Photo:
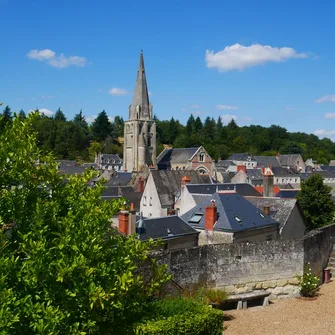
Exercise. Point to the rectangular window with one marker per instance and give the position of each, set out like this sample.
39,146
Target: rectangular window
144,200
150,201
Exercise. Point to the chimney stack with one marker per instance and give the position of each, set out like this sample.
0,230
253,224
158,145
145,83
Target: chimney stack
241,168
124,222
268,182
266,210
210,216
185,180
140,187
132,219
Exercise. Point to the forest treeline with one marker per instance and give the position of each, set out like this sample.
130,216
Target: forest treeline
77,139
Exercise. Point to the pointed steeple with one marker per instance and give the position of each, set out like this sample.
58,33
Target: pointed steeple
140,107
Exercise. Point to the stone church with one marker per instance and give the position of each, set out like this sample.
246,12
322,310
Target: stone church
140,130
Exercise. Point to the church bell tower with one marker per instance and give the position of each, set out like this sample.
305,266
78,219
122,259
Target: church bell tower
140,129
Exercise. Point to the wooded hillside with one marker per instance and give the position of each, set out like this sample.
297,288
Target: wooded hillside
76,139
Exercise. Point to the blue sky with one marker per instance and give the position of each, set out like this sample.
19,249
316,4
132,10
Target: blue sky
261,62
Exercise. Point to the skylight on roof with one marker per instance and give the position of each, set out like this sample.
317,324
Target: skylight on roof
237,219
262,215
195,218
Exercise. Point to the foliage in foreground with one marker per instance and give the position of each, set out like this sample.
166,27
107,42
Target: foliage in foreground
181,316
63,270
308,282
316,203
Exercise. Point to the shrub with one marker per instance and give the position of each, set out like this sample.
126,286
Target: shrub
181,317
308,283
216,296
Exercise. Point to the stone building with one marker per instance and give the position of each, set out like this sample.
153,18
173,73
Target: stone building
140,130
196,159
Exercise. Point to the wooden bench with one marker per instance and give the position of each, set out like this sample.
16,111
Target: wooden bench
243,298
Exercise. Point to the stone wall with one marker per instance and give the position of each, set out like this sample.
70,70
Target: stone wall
242,267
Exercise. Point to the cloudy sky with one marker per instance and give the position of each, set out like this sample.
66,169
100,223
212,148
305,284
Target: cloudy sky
259,62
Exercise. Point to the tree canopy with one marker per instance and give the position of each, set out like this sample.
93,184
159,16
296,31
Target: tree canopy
70,139
63,268
316,203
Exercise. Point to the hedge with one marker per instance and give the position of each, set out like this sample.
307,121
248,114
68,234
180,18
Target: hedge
186,318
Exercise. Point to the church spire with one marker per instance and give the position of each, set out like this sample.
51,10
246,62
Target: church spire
140,107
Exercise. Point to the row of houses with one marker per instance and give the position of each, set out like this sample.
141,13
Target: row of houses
184,202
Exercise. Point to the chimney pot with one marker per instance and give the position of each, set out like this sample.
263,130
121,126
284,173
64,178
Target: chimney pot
132,207
266,210
185,180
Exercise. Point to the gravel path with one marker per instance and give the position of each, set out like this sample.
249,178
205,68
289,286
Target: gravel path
287,316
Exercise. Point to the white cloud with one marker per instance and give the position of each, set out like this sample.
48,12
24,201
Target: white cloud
195,106
330,116
184,109
325,133
58,61
330,98
239,57
226,107
45,111
117,91
228,117
90,119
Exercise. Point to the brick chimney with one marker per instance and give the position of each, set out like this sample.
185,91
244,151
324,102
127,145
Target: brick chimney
241,168
210,216
124,222
266,210
140,186
185,180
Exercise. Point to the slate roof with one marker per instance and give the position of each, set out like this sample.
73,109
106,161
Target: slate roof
165,228
241,157
168,183
235,214
254,174
304,176
290,160
127,192
280,208
287,194
174,156
325,174
224,163
69,167
329,168
267,161
120,178
242,189
284,172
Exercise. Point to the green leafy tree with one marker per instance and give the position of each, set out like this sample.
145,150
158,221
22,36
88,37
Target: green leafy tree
316,202
101,127
63,268
59,115
22,115
5,118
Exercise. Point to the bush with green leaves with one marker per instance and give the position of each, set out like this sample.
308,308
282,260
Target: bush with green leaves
63,269
308,282
180,317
